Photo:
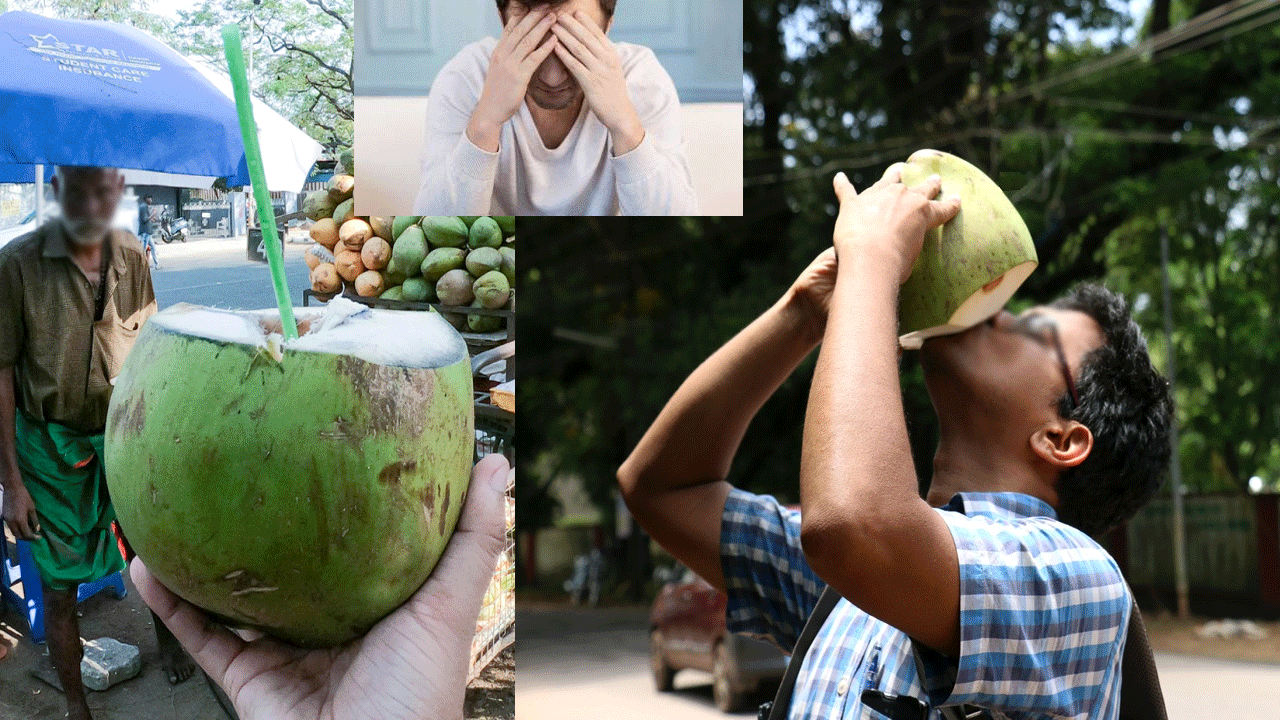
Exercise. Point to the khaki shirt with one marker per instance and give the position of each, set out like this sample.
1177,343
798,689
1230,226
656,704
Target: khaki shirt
64,361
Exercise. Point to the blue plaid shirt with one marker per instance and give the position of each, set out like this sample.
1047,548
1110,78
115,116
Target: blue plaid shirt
1043,615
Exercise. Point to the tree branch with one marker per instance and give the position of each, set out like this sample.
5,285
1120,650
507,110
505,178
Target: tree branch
342,112
331,13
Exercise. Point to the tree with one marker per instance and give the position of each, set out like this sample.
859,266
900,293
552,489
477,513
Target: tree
1100,146
302,52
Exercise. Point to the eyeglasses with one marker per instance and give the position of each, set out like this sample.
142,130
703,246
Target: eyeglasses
1042,329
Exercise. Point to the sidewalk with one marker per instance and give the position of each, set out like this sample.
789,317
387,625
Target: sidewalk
146,697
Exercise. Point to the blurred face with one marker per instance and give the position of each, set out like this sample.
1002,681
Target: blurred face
1003,378
88,198
552,86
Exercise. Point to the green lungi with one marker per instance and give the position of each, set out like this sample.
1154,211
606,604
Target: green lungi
62,469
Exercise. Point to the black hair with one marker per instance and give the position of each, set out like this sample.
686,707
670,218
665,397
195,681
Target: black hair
1127,406
606,5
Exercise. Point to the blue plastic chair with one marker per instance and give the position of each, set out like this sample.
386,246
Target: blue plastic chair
31,602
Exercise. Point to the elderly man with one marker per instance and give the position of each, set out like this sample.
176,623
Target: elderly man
73,295
554,118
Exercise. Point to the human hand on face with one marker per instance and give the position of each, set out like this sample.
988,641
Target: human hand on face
593,60
889,219
515,58
413,664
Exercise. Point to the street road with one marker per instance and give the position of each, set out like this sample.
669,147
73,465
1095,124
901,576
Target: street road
583,665
590,664
218,273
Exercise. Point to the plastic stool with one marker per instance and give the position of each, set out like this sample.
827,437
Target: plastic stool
32,605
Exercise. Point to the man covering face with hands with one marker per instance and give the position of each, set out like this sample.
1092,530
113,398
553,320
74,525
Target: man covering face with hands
554,118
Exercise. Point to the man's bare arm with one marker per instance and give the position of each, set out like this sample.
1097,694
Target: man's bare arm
19,511
866,531
674,480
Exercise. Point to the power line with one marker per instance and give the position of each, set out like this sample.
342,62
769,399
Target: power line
1197,26
1104,134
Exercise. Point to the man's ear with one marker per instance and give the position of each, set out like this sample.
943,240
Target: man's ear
1062,443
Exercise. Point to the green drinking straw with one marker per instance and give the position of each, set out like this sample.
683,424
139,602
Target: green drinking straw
253,154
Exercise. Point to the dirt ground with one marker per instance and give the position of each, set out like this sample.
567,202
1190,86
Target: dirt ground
1168,634
149,696
146,697
492,696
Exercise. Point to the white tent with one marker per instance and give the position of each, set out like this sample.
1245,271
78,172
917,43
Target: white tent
287,152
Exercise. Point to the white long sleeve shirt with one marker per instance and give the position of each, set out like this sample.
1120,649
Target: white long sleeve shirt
579,177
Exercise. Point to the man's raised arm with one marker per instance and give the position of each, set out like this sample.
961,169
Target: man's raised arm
674,480
866,531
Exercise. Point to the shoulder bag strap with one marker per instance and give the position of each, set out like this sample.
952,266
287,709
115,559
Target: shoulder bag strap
782,700
1140,694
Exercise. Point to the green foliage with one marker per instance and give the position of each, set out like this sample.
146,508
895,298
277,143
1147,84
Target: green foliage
1096,159
302,57
616,313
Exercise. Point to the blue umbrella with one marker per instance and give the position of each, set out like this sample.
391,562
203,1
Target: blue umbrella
83,92
22,173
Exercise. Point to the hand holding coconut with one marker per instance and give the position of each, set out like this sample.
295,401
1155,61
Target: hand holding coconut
889,220
417,657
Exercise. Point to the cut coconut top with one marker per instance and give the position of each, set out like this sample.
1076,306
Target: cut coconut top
398,338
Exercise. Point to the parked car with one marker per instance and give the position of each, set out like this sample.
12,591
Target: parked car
22,227
687,630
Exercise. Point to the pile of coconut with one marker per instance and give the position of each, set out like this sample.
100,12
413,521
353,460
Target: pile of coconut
456,261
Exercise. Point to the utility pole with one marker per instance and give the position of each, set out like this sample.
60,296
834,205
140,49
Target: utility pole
1175,462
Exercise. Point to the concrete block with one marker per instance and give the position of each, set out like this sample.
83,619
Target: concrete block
109,662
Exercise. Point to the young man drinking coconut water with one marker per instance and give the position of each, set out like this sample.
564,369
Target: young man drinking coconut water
989,596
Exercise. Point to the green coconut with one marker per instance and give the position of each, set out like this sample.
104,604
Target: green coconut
468,220
410,250
509,263
482,260
507,223
482,323
491,290
485,233
417,289
345,211
304,489
442,260
969,267
400,222
394,293
445,231
318,205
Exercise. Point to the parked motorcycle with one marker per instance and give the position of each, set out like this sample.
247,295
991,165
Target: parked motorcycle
588,576
171,229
